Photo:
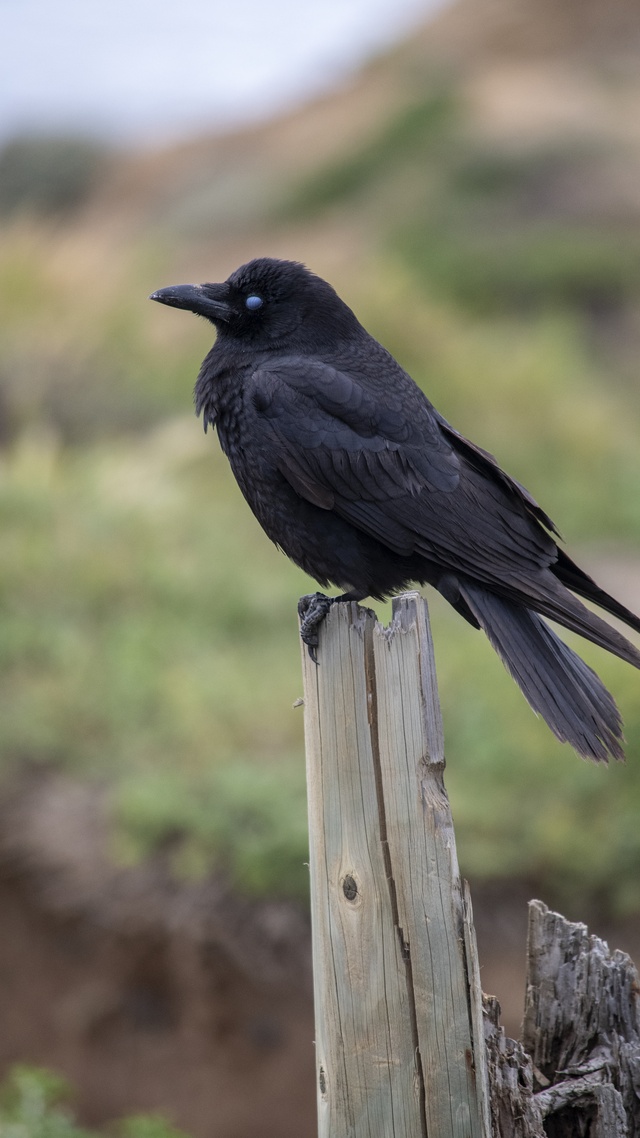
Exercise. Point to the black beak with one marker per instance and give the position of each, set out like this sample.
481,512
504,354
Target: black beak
210,300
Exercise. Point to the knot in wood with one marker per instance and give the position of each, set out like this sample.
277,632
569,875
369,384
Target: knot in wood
350,887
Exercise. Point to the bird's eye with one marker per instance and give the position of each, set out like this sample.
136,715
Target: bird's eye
253,303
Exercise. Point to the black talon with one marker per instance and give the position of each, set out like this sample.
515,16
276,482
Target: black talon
312,610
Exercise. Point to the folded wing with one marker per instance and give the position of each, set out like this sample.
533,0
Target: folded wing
398,473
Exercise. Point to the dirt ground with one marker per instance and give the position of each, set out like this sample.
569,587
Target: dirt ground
151,1023
152,995
149,995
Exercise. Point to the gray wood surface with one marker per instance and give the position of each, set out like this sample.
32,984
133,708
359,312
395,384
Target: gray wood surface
399,1046
406,1045
582,1029
514,1108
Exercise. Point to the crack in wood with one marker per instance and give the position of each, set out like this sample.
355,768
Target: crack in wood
372,705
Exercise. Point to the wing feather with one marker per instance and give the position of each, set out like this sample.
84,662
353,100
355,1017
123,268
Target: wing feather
405,478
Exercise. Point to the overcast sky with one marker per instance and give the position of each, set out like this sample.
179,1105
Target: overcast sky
156,69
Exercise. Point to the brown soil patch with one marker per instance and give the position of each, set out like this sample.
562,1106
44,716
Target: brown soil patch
149,995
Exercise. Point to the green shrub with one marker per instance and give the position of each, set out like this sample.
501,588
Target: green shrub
502,270
34,1104
48,175
410,136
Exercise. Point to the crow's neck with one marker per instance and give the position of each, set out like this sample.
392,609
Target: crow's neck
219,384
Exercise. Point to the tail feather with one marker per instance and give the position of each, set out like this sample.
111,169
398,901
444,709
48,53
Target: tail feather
558,685
552,599
580,582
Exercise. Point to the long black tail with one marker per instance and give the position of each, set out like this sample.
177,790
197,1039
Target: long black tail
580,582
557,683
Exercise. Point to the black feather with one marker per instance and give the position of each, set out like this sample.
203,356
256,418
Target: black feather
560,687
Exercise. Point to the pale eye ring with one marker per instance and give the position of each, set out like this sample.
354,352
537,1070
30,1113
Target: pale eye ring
253,303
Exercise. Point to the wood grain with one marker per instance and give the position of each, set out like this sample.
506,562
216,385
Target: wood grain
396,1053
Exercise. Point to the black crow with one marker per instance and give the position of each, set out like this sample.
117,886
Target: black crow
354,474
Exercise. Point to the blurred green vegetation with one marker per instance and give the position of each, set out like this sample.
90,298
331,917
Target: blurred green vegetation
34,1104
411,136
48,175
148,633
552,266
493,230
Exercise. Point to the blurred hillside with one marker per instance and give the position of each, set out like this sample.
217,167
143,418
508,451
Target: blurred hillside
475,197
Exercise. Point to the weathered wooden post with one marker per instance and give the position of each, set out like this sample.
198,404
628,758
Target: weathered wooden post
399,1038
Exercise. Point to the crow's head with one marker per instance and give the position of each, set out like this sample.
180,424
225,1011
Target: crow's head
268,303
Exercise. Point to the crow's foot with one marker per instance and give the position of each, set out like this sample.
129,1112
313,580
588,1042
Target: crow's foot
312,609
